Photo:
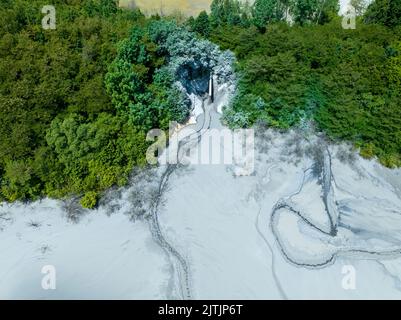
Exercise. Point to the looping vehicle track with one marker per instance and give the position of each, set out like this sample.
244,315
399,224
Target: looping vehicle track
178,261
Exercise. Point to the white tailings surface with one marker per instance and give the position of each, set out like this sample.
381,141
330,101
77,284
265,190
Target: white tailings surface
285,232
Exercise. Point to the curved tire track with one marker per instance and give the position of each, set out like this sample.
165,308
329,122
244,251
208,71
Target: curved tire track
332,212
182,266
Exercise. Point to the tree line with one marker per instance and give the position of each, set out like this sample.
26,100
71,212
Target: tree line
76,102
299,68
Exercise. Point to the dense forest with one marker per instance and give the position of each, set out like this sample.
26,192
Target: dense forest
300,67
76,102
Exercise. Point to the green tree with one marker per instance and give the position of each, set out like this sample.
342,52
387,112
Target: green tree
305,11
225,12
267,11
202,24
321,74
385,12
360,6
89,200
53,94
394,65
313,11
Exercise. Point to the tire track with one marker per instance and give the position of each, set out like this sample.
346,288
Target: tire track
332,212
176,258
274,274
